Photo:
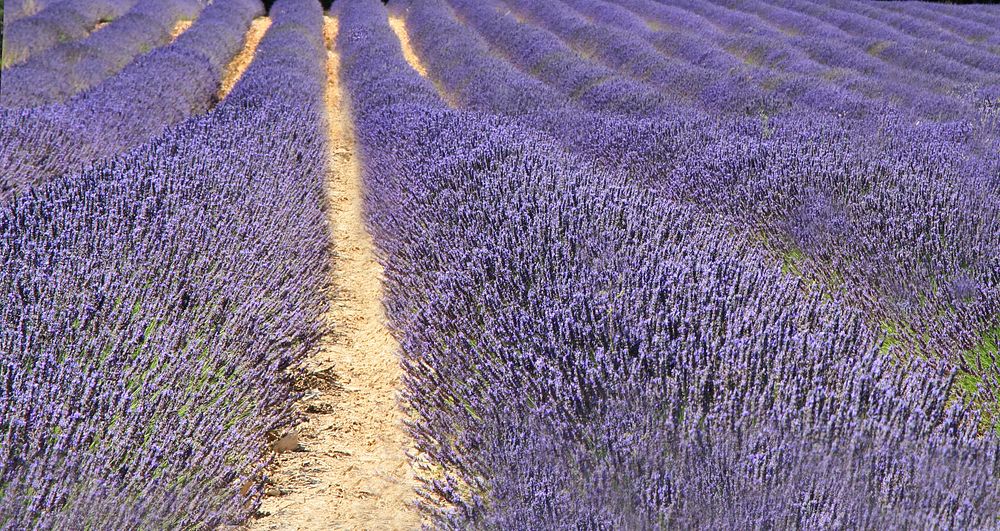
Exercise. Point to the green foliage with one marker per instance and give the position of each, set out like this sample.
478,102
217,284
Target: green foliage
980,361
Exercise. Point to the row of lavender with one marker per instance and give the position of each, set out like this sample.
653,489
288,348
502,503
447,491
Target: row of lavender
585,347
907,212
903,217
842,74
842,46
59,21
125,110
71,67
156,305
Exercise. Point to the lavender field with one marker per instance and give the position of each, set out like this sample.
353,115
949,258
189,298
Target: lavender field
499,264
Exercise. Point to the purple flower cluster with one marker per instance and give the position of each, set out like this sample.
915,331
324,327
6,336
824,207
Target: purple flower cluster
478,79
703,319
710,265
71,67
59,21
126,109
466,68
726,85
589,85
890,209
153,305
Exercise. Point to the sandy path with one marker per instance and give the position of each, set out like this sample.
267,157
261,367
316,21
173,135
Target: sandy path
239,64
354,472
180,27
399,27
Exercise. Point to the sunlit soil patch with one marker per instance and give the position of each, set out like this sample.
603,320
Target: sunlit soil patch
239,64
180,27
399,27
352,470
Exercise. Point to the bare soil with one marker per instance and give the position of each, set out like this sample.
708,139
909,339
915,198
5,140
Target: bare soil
180,27
399,27
239,64
348,468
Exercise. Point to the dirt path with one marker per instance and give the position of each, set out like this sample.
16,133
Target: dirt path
354,473
180,27
239,64
399,27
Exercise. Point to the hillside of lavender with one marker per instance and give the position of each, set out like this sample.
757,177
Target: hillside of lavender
651,264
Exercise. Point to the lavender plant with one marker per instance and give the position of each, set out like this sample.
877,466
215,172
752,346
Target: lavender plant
59,21
589,347
546,57
813,50
800,180
18,9
737,92
58,73
125,110
651,265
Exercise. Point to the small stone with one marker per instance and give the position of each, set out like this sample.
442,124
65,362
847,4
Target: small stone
319,408
287,443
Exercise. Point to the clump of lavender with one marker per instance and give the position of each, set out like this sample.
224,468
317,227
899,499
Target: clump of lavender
125,110
57,21
71,67
155,308
889,203
699,265
588,346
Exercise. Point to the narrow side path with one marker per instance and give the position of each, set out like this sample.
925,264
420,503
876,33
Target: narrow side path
352,471
239,64
180,27
398,26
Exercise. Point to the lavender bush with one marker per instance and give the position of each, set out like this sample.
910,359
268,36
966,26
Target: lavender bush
600,345
18,9
545,56
709,265
125,110
155,303
59,21
71,67
819,187
793,64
